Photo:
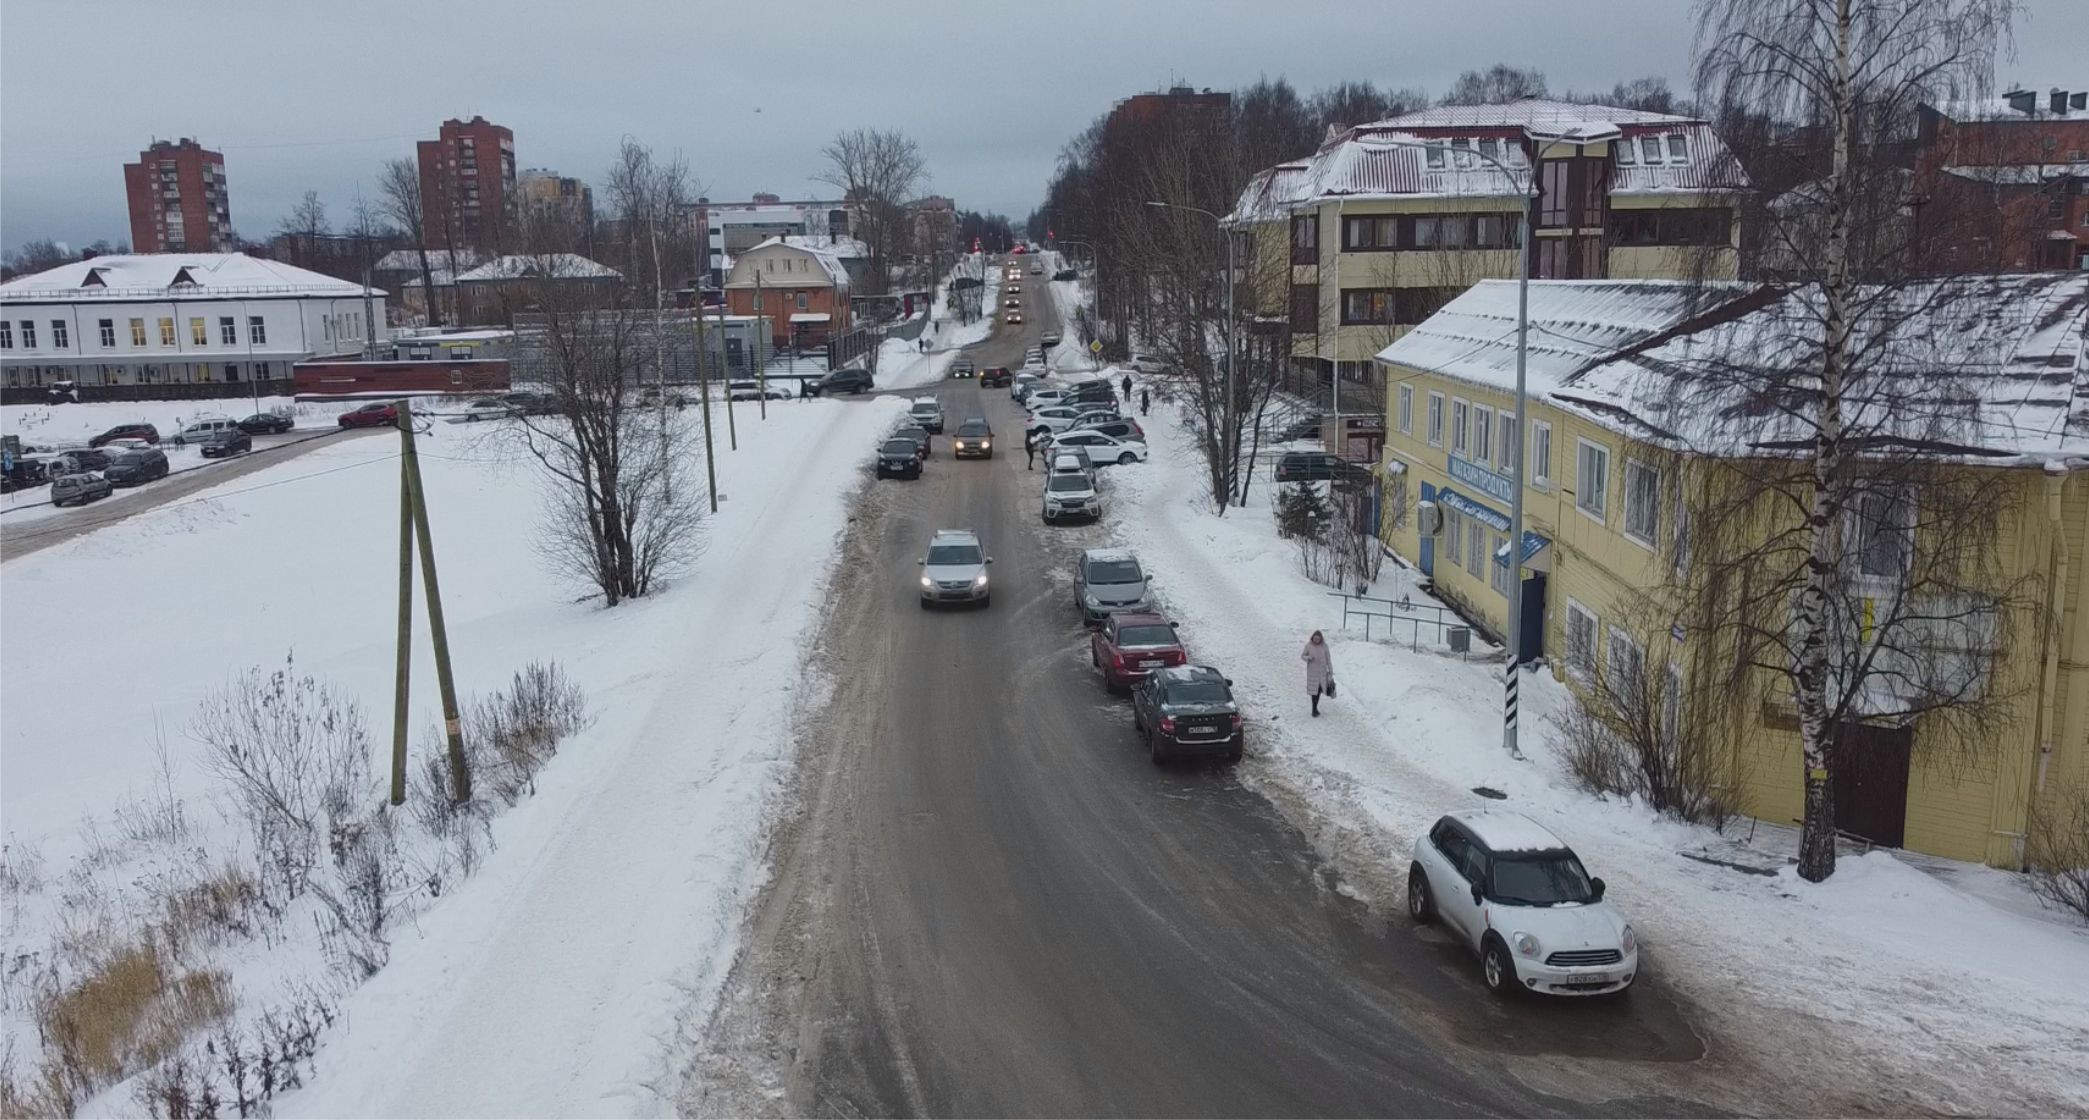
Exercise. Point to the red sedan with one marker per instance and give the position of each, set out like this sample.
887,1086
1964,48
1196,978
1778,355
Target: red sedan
372,415
1128,647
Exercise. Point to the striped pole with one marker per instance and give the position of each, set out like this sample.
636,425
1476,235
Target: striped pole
1508,715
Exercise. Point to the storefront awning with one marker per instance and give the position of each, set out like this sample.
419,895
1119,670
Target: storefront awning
1486,515
1532,543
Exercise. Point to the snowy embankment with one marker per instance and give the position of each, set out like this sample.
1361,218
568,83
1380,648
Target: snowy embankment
904,365
1887,984
552,981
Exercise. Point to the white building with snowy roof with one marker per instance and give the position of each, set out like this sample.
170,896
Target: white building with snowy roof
1648,399
1388,221
185,324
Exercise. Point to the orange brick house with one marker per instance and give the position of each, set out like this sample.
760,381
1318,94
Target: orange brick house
804,292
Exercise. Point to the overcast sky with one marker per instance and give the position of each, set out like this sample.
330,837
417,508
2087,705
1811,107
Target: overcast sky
305,96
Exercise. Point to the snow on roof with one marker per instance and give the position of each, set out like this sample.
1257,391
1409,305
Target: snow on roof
1573,324
810,317
1997,108
828,261
151,276
846,248
439,260
1503,831
552,266
2020,174
1538,112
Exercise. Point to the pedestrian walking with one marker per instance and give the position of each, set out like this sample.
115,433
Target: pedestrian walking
1320,669
1127,388
1030,450
1145,399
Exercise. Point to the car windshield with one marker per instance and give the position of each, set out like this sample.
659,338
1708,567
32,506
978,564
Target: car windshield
1067,484
1541,879
1114,571
1146,636
926,409
974,428
128,459
915,434
900,447
1198,692
952,555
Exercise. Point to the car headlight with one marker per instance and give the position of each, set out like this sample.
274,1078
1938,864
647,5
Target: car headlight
981,581
1525,944
927,582
1630,942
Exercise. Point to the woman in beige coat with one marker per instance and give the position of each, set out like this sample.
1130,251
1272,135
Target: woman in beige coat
1320,669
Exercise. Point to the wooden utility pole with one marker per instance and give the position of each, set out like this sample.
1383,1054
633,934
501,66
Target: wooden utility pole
703,380
452,722
401,685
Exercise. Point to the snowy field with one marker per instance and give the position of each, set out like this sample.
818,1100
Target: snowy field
543,985
1903,989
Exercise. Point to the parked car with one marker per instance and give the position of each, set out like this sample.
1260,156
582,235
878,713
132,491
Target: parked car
229,442
1050,340
79,489
268,423
927,412
1021,384
994,377
1510,891
1094,392
1034,356
1101,448
974,440
531,403
1036,269
954,570
1041,395
1052,418
1319,466
1066,274
747,391
1130,645
649,397
135,468
963,367
899,458
849,380
496,408
1108,580
1297,428
1188,710
78,460
1072,460
1115,426
916,433
203,431
1071,495
372,415
1012,317
146,432
1145,363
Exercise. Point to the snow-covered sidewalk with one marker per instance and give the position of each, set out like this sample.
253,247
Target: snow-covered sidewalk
1889,985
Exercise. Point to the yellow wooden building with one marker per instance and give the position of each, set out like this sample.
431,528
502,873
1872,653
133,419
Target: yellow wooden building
1619,451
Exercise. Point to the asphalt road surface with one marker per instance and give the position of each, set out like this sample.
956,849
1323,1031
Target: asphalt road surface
989,902
19,538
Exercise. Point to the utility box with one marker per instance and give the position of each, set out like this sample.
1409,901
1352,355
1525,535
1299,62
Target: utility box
1459,637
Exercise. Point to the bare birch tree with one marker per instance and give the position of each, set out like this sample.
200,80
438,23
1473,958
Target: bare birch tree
877,170
1850,488
304,226
400,188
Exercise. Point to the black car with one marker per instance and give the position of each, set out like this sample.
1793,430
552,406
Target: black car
916,434
1319,466
995,377
1092,392
231,441
840,381
263,423
963,367
146,432
135,468
530,403
974,440
1066,274
1188,710
899,457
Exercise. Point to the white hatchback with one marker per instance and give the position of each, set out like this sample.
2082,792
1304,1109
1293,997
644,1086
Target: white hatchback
1513,893
1102,448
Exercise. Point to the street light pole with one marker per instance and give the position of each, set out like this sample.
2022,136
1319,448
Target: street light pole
1229,439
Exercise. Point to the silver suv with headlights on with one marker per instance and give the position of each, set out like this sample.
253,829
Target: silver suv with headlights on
954,571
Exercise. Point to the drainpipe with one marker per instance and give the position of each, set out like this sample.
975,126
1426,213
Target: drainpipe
2056,475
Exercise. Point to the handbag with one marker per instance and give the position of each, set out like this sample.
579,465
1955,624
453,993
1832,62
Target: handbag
1330,689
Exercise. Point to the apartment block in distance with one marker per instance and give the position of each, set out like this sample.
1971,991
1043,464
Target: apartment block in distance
2020,163
178,199
548,194
468,184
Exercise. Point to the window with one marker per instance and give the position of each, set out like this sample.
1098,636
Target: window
1581,641
1442,231
1436,419
1591,476
198,335
1497,231
1305,239
803,301
28,334
1476,550
228,330
1511,443
257,334
1406,410
1454,537
1626,667
1370,232
1498,573
1706,225
1627,153
1650,150
1367,306
166,330
1642,502
1678,150
1436,154
108,333
1482,433
137,332
1881,531
1671,703
59,339
1460,438
1305,308
7,335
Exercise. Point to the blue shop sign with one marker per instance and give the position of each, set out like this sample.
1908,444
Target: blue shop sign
1500,487
1486,515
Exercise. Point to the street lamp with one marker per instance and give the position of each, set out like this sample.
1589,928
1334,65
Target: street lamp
1228,439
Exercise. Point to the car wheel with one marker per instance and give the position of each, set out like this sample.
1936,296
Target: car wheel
1153,748
1497,968
925,604
1239,751
1419,905
986,600
1092,658
1127,459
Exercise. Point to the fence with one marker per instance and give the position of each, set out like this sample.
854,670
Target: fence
1388,616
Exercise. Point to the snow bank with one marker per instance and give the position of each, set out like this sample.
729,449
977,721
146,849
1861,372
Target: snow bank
1919,979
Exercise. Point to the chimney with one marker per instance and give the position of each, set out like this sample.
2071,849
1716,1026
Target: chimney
2059,102
2023,101
2079,101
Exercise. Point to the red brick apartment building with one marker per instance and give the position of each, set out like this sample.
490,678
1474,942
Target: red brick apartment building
178,199
468,185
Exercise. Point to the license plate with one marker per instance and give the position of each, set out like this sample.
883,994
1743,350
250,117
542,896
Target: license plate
1592,979
1149,664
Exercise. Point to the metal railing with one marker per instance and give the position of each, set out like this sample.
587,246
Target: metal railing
1390,614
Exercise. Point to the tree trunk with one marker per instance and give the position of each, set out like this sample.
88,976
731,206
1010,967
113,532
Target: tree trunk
1817,835
428,284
